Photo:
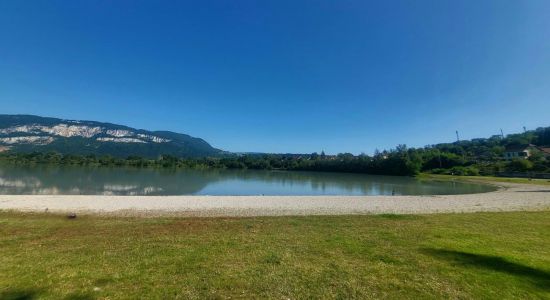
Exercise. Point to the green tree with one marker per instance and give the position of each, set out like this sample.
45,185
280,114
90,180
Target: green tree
520,165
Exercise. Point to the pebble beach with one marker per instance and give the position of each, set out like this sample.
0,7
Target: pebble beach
509,197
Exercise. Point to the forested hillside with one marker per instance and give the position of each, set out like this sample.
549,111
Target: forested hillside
472,157
28,133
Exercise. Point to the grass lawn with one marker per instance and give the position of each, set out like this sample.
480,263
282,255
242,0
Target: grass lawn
488,179
480,255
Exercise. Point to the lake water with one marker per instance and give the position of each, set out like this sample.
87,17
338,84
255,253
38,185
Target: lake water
132,181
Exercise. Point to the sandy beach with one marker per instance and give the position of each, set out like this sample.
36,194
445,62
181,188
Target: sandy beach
510,197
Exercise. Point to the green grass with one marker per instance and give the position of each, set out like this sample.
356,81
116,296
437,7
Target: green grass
481,256
488,179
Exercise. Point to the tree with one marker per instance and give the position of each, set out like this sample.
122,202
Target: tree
520,165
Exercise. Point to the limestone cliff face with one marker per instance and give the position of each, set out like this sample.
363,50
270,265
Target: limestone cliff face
67,130
119,132
24,131
34,134
39,140
120,140
61,129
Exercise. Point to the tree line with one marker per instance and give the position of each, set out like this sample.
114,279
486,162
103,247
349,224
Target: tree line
470,157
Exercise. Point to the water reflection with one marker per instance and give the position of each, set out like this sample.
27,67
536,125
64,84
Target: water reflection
130,181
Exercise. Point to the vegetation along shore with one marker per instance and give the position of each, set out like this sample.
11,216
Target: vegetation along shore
469,157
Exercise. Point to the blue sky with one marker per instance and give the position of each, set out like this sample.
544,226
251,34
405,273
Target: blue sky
283,76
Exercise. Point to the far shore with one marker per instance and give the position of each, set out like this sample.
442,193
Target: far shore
510,197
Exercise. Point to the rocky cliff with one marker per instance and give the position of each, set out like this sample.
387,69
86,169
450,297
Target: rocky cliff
25,133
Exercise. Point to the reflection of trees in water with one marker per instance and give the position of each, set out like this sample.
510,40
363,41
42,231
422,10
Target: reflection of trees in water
110,181
133,181
351,183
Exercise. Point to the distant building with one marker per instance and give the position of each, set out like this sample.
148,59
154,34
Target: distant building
545,151
521,152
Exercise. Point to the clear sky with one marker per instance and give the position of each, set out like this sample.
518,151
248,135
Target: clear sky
283,76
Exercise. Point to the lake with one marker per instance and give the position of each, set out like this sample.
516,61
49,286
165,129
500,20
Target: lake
133,181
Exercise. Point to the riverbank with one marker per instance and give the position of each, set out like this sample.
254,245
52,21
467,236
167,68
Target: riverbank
485,179
439,256
509,197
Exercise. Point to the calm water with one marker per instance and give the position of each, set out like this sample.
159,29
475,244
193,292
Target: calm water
130,181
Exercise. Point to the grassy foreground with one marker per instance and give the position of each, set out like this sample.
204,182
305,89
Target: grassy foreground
481,255
486,179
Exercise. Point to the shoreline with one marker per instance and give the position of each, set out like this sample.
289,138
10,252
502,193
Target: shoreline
509,197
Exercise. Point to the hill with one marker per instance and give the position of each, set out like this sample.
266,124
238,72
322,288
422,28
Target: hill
530,151
28,133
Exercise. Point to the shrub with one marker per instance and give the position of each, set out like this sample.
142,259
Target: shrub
520,165
465,171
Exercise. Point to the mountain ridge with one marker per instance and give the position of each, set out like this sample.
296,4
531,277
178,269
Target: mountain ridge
28,133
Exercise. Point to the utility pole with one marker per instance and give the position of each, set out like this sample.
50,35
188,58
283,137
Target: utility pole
458,141
501,133
524,129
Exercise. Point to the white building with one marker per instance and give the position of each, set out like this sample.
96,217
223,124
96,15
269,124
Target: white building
521,152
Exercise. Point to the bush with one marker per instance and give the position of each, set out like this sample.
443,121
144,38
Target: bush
465,171
520,165
441,171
